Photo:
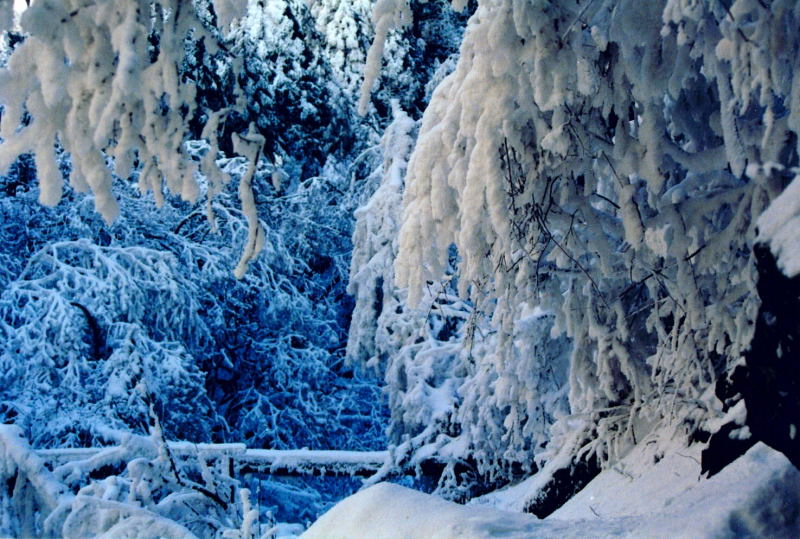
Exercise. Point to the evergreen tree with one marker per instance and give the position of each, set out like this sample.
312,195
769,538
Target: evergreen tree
288,89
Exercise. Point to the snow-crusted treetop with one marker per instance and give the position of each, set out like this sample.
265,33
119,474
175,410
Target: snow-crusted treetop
345,27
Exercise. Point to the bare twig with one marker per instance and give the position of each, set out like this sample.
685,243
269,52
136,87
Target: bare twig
576,19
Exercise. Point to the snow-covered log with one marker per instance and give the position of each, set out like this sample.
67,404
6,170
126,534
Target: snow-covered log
306,461
242,460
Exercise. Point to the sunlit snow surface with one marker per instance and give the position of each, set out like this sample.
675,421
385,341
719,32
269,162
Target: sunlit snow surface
758,495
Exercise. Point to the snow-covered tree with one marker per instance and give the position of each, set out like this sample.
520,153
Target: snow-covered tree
605,162
385,334
446,388
100,78
289,88
83,309
345,26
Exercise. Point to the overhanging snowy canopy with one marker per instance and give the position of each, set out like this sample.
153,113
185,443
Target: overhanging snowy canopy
606,161
100,79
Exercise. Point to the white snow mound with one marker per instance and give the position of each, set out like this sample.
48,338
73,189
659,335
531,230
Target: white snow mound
757,495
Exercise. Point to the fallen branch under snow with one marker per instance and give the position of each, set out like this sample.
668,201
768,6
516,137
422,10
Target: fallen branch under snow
244,460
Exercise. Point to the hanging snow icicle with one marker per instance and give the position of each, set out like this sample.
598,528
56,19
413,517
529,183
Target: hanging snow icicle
249,146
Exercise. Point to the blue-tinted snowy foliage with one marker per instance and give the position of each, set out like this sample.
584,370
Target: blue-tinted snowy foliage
89,311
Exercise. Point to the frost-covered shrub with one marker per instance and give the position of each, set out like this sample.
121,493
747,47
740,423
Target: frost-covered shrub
151,298
79,332
156,491
141,484
297,320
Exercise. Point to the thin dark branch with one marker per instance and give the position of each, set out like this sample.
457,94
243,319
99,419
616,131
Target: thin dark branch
606,199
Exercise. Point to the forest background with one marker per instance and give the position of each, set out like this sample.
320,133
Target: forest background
526,245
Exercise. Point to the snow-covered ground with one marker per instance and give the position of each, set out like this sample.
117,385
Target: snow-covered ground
756,496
